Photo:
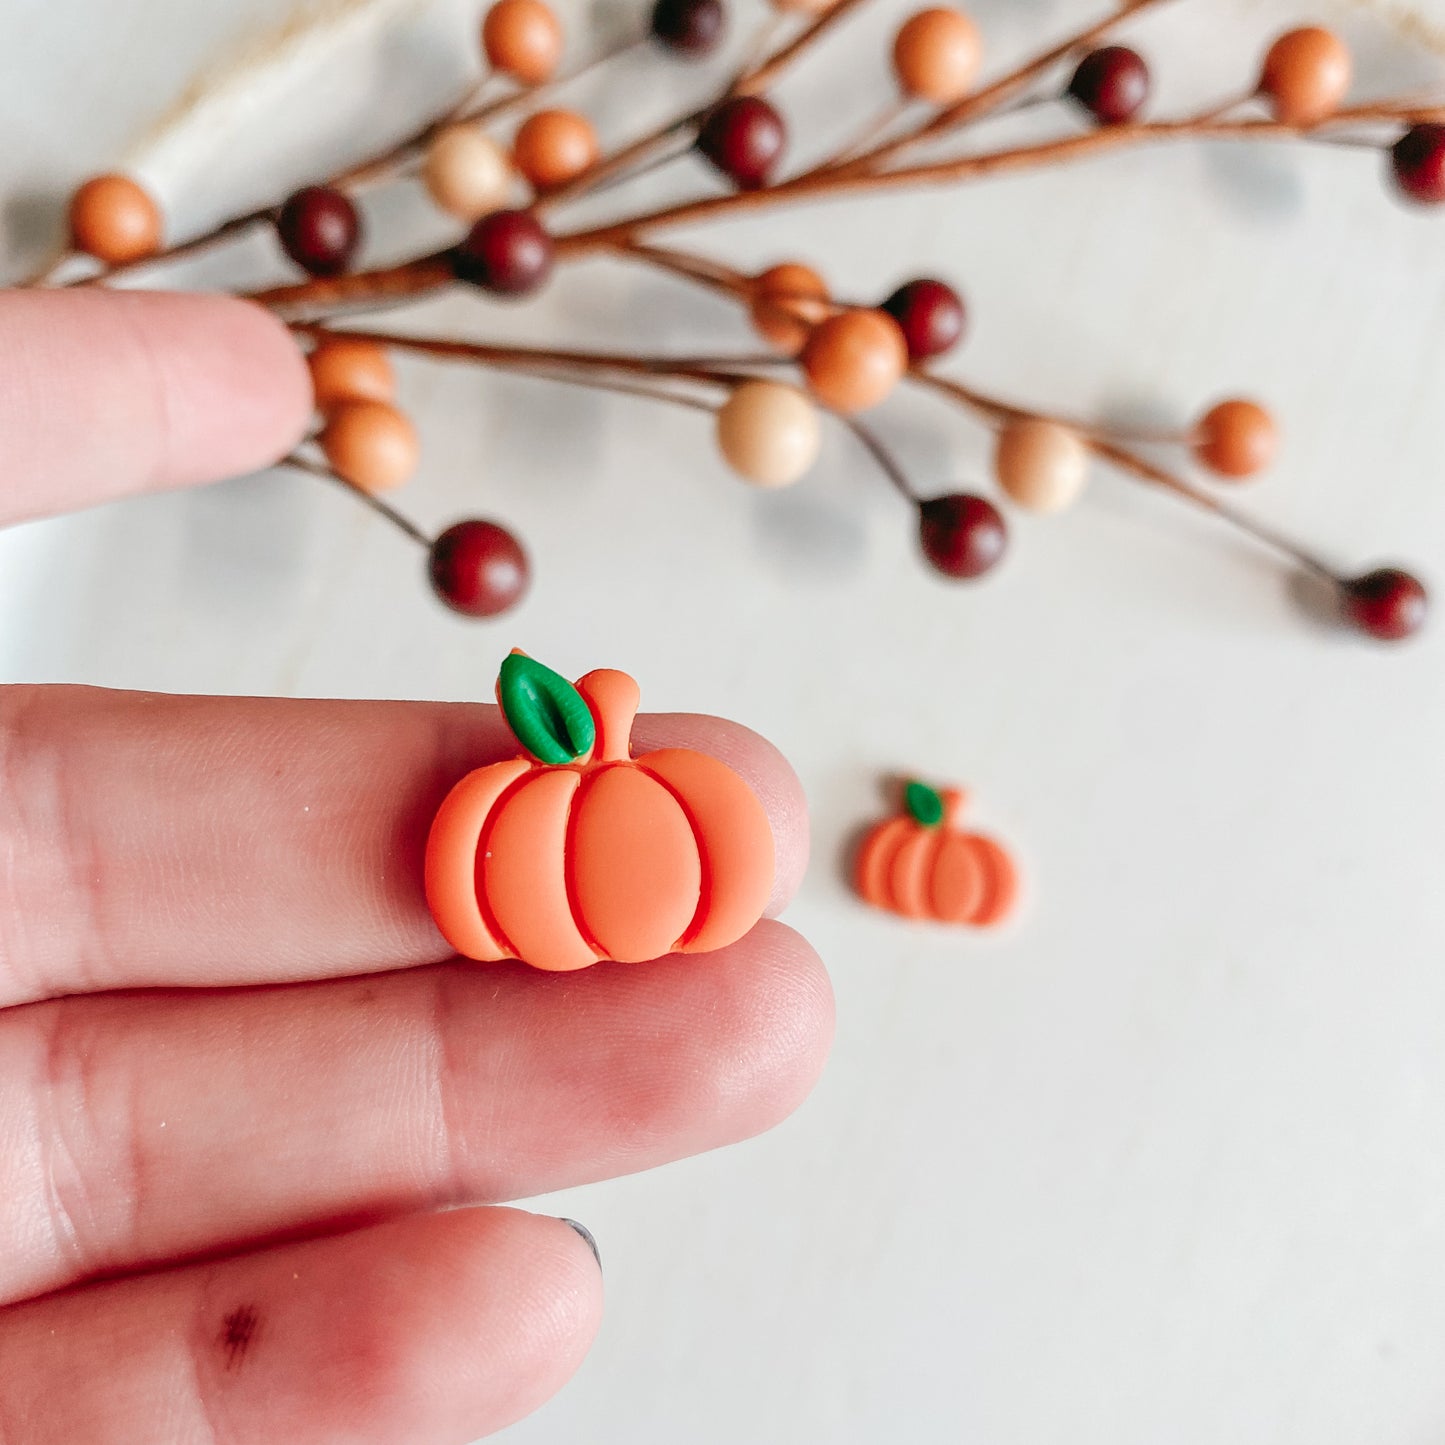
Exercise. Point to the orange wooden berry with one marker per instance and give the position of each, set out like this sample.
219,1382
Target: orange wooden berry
523,39
769,432
577,851
854,359
1236,438
345,368
1306,75
1040,464
936,55
923,865
467,173
553,147
373,445
786,302
114,219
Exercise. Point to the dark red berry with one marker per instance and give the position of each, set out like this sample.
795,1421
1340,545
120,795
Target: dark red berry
508,252
319,229
1418,161
931,316
1111,83
689,27
1387,603
478,569
962,535
744,138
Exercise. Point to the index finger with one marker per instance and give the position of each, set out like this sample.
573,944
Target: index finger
150,840
107,393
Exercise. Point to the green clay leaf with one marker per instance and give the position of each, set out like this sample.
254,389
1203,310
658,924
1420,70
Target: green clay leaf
924,803
547,714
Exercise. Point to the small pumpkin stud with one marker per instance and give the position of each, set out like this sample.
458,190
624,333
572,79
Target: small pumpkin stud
574,851
922,864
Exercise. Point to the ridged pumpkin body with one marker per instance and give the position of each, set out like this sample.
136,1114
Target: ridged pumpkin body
608,857
937,871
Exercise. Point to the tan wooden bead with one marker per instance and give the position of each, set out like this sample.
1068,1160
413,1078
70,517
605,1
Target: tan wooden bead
523,39
1041,465
787,301
114,219
467,173
344,369
553,147
371,444
1236,438
854,359
769,432
804,7
1306,75
937,54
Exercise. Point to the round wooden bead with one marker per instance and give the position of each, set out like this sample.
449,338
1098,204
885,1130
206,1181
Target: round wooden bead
853,360
553,147
787,300
1236,438
345,368
467,173
114,219
769,432
373,445
523,39
936,55
1041,465
1306,75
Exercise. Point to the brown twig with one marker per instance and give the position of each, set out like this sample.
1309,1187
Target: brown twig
1131,463
813,186
982,102
888,464
317,469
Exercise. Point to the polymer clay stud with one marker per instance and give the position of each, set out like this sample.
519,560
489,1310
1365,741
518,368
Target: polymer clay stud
575,851
922,864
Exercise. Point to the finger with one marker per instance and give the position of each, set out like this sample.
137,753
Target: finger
150,840
105,393
439,1328
140,1123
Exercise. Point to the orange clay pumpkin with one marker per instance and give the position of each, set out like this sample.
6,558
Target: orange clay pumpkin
923,865
576,852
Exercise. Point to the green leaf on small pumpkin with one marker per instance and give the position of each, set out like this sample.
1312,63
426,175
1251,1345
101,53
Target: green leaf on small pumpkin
924,804
548,716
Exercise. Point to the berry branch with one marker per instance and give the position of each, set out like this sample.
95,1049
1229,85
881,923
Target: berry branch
828,356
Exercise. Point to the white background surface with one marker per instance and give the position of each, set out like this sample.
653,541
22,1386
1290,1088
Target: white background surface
1166,1161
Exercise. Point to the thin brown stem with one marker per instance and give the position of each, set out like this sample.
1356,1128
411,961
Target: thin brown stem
359,291
195,246
384,509
700,270
888,464
628,159
43,275
754,80
971,167
996,94
694,369
1122,459
874,129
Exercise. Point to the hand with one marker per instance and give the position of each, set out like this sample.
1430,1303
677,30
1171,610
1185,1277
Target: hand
238,1077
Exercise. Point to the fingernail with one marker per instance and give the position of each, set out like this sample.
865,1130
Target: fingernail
587,1239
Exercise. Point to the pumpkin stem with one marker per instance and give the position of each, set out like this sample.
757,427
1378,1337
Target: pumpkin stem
613,698
955,800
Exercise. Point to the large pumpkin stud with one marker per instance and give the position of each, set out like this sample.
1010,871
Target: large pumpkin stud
575,851
923,865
